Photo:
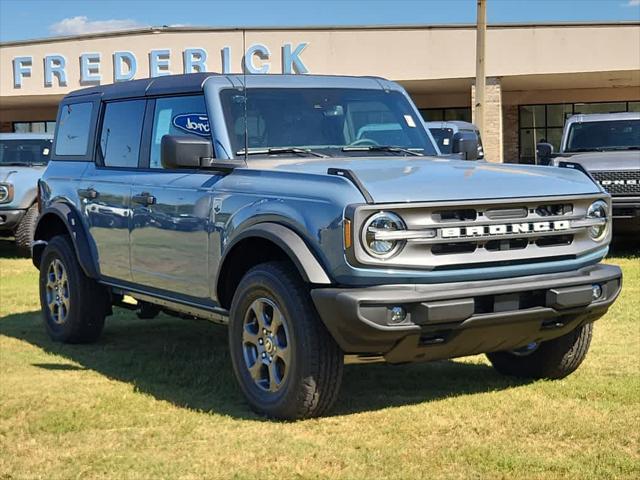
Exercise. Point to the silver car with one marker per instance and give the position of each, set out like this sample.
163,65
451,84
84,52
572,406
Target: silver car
23,158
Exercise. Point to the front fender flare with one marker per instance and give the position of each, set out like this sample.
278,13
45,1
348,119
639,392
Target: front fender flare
292,244
82,243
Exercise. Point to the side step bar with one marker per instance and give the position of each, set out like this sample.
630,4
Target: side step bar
219,316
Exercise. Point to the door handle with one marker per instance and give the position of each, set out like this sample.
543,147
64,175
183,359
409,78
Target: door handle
144,198
89,193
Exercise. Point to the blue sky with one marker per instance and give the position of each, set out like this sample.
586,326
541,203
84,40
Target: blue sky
25,19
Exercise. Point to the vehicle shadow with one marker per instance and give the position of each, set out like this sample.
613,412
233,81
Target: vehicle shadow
186,362
624,246
8,248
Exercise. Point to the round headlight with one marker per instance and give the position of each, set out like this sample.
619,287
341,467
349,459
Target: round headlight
373,234
4,193
598,210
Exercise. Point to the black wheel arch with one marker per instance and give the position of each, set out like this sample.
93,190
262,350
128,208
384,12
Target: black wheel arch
277,242
60,218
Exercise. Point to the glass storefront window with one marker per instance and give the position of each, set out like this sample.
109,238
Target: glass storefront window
554,137
532,116
446,114
613,107
22,127
558,114
529,137
634,106
432,114
463,114
34,127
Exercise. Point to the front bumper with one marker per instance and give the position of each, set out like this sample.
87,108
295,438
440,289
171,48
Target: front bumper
464,318
9,219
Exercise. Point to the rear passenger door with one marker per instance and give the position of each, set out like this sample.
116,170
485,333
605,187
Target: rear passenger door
106,184
171,208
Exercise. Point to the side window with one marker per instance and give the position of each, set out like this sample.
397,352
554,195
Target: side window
73,131
177,116
121,132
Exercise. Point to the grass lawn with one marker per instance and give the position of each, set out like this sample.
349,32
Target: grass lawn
156,399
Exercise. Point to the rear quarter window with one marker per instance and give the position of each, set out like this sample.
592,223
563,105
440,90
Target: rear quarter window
74,125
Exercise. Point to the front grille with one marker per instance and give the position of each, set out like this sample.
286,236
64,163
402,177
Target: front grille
619,182
472,234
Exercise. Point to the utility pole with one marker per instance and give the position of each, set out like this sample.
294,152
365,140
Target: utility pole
481,30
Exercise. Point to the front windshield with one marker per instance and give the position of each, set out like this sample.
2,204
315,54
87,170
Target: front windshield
325,121
604,135
444,139
24,152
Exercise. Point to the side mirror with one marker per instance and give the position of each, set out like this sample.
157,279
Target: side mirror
177,151
467,145
543,153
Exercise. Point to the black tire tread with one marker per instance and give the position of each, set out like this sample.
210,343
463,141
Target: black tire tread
26,229
554,359
88,311
322,380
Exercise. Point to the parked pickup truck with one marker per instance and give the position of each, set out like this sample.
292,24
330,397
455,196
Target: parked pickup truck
23,158
608,147
457,138
267,203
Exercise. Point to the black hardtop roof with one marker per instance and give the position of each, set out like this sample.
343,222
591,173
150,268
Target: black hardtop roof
184,83
193,83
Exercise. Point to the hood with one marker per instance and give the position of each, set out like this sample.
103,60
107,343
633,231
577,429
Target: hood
10,173
594,161
420,179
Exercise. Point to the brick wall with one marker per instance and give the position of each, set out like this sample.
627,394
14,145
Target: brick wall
510,133
492,135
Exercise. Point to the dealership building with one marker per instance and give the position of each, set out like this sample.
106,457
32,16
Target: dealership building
537,74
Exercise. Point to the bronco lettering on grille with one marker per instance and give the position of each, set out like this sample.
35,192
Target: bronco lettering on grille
631,181
504,229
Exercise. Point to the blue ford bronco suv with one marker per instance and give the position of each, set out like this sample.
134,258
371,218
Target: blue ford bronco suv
312,215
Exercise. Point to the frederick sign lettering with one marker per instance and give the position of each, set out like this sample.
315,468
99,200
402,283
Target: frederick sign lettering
256,59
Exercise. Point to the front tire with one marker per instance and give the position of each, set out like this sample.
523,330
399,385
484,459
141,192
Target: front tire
553,359
26,229
286,362
73,305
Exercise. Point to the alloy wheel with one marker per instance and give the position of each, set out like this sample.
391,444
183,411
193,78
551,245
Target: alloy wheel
58,294
265,345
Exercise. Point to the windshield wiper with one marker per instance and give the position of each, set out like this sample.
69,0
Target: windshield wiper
630,147
580,150
15,164
379,148
279,150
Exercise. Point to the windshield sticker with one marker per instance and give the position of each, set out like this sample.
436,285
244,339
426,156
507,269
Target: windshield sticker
196,123
409,120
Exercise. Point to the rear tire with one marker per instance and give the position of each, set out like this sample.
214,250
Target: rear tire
553,359
26,229
286,362
73,305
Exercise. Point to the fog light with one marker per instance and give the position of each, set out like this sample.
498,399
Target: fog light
596,291
398,315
